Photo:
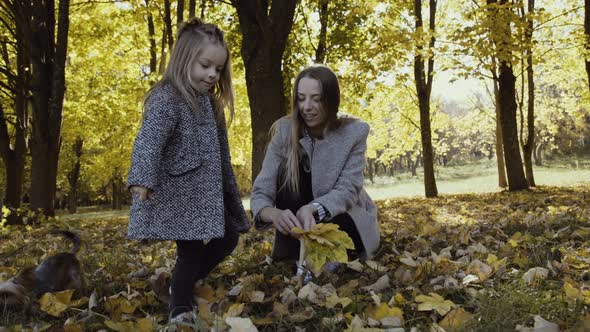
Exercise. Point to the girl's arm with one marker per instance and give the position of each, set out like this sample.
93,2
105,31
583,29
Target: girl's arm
160,118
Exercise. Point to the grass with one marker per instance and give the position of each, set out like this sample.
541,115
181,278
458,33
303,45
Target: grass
476,177
479,177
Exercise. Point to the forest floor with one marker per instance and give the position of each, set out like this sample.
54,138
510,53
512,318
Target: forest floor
471,262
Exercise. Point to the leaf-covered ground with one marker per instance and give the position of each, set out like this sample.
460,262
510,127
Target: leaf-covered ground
492,262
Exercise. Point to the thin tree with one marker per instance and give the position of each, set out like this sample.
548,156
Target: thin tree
423,78
320,52
528,143
507,97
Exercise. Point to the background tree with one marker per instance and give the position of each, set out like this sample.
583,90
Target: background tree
265,27
502,37
14,104
46,40
527,62
423,78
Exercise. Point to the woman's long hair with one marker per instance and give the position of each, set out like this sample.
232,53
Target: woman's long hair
191,39
329,104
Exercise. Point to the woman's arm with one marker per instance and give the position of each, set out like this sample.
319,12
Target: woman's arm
264,189
349,184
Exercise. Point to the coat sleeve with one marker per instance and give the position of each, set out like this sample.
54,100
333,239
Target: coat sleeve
160,119
349,184
264,189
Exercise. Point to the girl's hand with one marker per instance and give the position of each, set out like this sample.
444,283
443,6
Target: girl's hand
306,217
143,192
283,220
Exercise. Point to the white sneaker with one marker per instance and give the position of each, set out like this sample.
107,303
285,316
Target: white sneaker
302,271
188,319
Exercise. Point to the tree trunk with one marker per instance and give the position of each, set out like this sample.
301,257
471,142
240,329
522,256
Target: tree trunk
502,182
168,25
423,89
163,51
371,169
48,56
14,160
117,186
13,154
527,147
538,154
264,36
179,13
507,102
512,159
203,7
320,52
191,8
152,37
74,175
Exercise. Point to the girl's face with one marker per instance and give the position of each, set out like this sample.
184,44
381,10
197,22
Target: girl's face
309,95
207,67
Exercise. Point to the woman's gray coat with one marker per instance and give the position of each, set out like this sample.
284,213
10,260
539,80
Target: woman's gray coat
337,165
183,156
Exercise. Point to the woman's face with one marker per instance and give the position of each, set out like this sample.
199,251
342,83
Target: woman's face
309,95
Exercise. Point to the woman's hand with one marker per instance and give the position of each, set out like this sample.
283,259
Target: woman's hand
143,192
306,217
283,220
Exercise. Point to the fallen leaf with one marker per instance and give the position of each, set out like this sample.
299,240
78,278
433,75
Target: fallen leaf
381,284
56,303
534,274
434,302
455,320
238,324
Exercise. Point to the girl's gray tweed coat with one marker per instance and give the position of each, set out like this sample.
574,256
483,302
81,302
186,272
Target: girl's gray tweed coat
183,156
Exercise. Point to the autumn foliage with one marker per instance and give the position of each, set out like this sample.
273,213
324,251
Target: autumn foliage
497,261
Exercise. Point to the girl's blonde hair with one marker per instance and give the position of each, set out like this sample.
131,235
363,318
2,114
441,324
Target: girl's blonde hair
329,104
192,37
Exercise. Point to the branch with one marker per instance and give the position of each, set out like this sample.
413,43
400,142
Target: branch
558,16
395,109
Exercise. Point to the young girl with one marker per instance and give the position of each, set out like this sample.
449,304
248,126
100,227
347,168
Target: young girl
313,170
183,185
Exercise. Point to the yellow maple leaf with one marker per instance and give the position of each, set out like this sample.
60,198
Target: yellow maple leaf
333,299
56,303
455,320
119,304
324,243
434,302
384,311
235,310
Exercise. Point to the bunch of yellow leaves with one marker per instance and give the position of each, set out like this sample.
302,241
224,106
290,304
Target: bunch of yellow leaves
324,243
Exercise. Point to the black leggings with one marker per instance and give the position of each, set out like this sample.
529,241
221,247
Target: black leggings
287,247
194,261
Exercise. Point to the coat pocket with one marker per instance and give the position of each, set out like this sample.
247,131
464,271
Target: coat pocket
184,162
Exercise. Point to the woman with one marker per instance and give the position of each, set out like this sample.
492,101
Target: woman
313,170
